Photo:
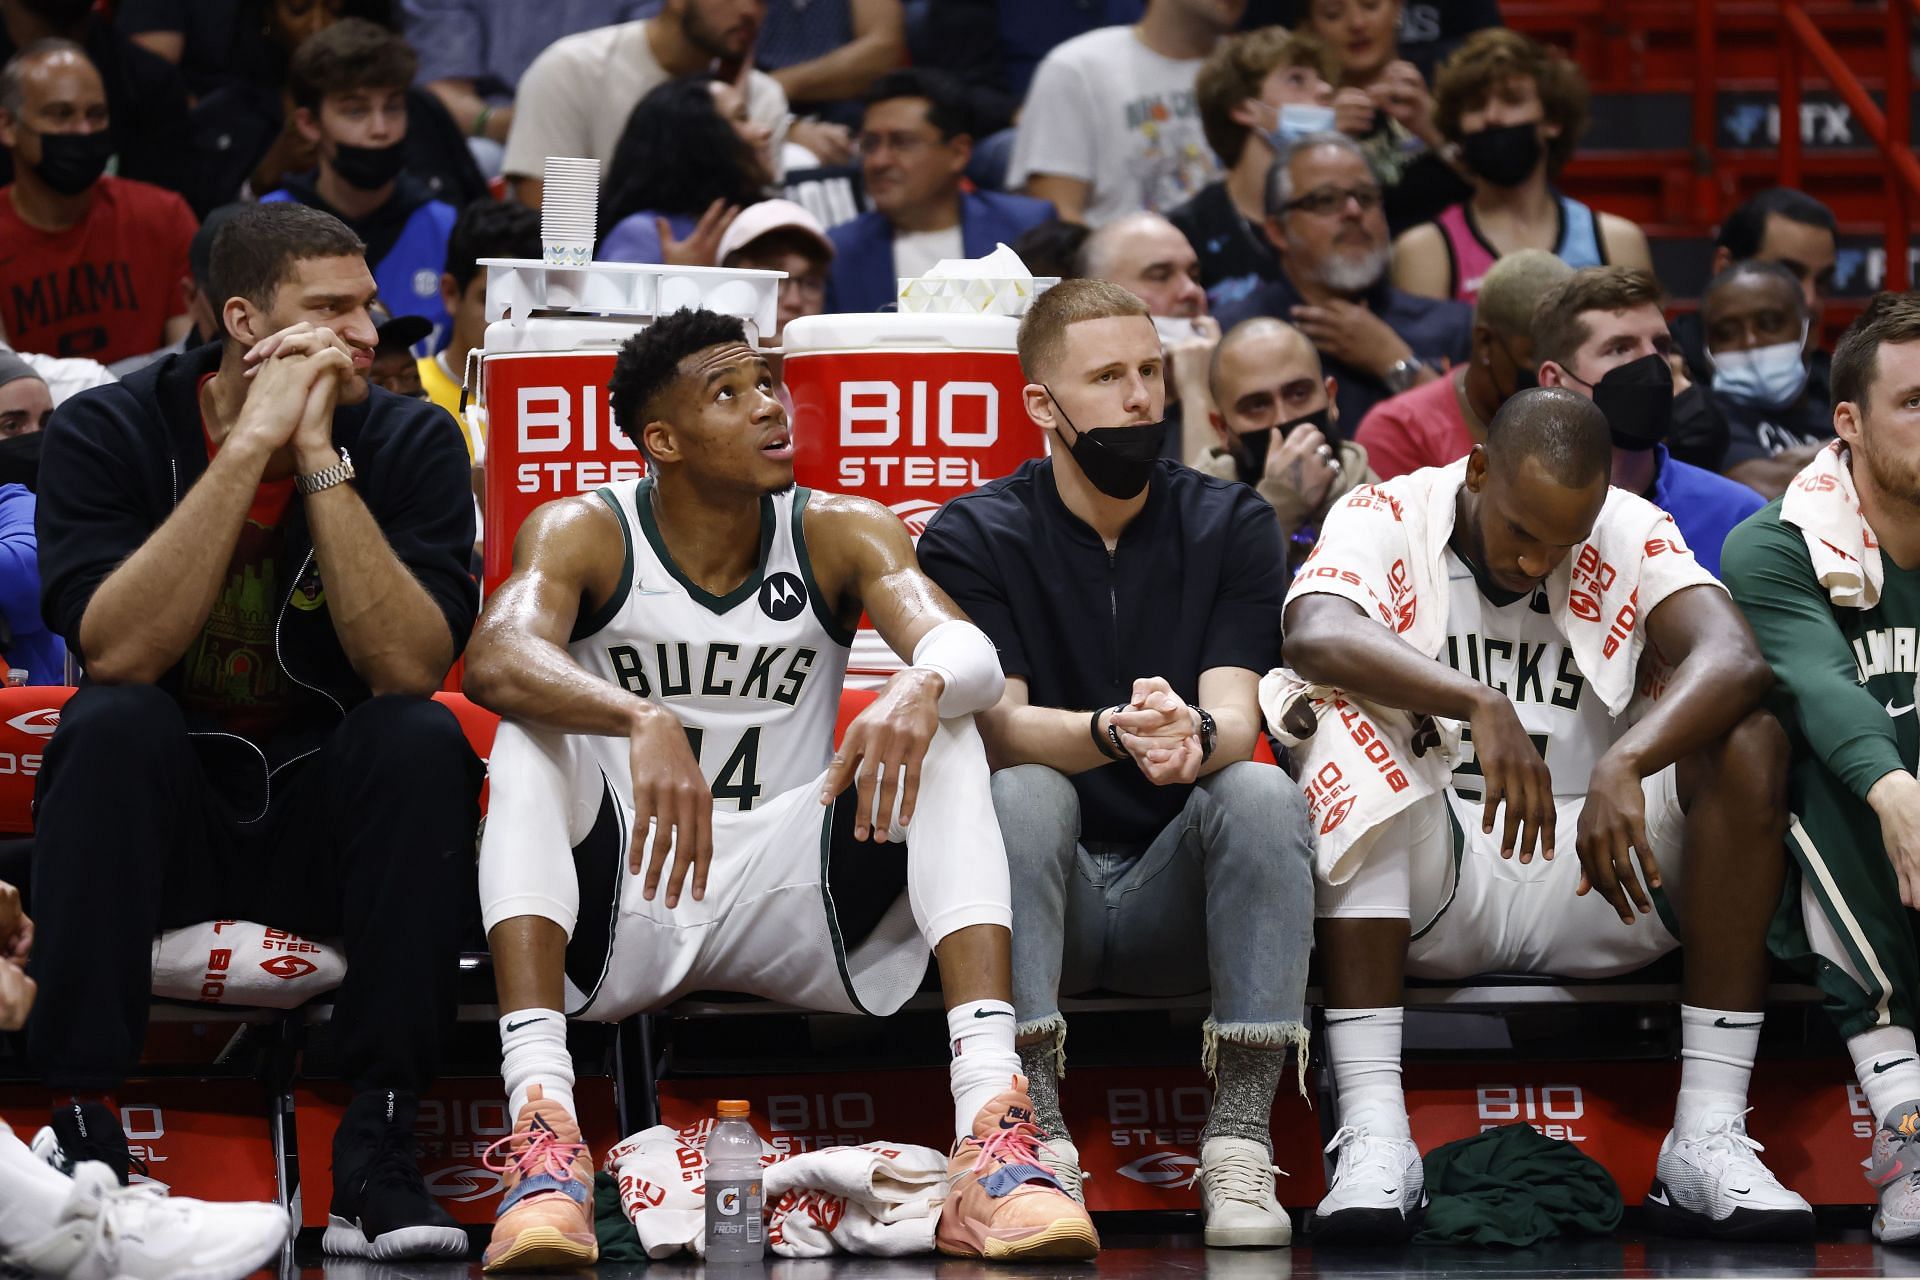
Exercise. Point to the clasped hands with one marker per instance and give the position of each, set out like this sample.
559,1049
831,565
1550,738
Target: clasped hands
1160,732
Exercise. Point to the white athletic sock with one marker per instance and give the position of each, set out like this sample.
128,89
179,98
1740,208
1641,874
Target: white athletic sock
1364,1048
1888,1066
984,1062
1717,1048
533,1050
32,1193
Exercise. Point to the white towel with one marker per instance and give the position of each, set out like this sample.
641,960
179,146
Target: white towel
897,1180
1823,504
662,1174
237,962
881,1199
1383,547
1360,763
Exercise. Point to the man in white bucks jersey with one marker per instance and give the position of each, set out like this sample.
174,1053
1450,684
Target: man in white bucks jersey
1679,813
669,652
1845,655
88,1226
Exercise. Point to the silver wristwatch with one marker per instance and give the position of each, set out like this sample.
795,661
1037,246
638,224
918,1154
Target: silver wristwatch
1402,376
339,473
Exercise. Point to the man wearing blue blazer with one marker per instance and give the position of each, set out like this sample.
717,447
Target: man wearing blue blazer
914,146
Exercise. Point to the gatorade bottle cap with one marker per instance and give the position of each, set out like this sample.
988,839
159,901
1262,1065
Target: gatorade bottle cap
734,1107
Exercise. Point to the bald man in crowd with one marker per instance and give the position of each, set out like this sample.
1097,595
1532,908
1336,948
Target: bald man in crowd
1273,423
1148,256
1439,421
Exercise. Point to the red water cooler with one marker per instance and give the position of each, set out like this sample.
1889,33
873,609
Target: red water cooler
909,410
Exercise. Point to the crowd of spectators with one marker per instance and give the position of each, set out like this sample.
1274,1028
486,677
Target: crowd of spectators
1367,186
1376,183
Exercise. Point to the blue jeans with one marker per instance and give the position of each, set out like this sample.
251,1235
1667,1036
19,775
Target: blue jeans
1233,868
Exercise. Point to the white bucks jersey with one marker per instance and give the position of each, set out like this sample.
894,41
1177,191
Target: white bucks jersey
1516,649
754,675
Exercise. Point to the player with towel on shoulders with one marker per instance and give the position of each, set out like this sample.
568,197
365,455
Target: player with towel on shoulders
669,814
1516,594
1829,576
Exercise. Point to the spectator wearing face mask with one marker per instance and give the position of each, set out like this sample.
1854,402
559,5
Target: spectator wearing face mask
1274,429
1776,225
146,99
350,100
1776,418
25,406
92,265
1601,334
1516,111
1258,93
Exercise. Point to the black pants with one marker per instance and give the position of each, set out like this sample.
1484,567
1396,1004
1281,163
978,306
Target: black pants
369,840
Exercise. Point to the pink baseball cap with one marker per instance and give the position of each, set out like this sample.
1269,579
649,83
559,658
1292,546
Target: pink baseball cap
757,220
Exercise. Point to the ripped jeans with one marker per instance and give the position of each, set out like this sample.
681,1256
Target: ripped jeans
1220,900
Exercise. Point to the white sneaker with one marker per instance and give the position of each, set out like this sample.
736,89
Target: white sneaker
110,1232
1059,1157
1711,1183
1378,1193
1894,1170
1236,1196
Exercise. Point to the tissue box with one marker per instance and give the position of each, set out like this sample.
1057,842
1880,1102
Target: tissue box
979,295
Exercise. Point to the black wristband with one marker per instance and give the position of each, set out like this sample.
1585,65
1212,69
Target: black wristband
1100,741
1208,731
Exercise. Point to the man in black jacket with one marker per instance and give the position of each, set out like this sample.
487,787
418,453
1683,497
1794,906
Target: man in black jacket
1134,603
262,564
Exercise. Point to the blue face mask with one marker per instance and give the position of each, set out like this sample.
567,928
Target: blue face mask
1770,377
1294,121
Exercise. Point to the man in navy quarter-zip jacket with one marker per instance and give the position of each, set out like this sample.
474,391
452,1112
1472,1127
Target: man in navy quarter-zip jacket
262,564
1135,604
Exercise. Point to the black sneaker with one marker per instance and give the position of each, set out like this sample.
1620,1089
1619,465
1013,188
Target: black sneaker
381,1208
83,1131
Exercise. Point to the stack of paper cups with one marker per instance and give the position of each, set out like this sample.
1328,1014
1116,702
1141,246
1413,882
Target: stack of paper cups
569,209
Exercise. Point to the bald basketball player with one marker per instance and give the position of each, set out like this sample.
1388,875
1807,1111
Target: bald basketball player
1570,840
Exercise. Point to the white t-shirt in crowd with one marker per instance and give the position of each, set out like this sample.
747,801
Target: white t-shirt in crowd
577,95
1109,111
915,252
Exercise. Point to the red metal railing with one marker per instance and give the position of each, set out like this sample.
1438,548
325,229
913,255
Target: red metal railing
1891,130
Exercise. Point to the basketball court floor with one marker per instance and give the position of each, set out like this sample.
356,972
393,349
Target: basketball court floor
1841,1252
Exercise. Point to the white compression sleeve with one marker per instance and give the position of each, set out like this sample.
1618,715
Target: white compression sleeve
963,656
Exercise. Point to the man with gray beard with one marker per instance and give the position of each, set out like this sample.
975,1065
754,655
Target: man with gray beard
1325,220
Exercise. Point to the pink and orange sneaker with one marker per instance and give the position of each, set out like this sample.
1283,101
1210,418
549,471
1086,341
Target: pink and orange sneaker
1001,1201
546,1215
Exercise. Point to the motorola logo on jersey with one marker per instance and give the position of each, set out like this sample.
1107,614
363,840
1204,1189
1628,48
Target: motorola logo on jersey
782,597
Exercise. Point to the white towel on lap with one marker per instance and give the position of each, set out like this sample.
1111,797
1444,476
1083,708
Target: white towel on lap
1383,547
1825,507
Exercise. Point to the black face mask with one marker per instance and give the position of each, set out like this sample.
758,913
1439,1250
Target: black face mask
1251,447
1116,460
369,168
20,459
72,162
1504,155
1637,398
